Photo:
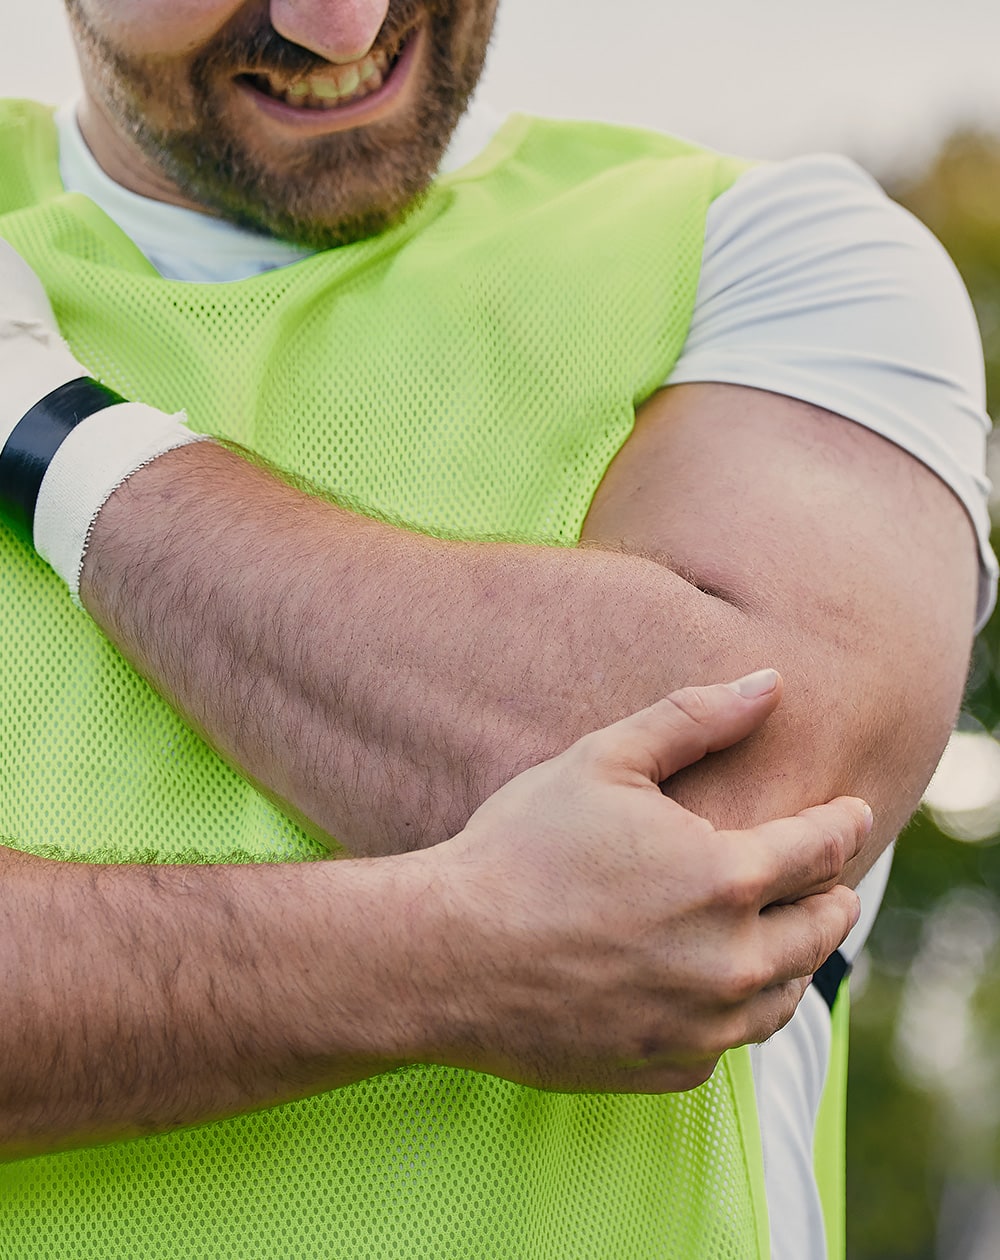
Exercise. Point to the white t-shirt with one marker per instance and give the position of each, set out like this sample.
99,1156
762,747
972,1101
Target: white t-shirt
813,285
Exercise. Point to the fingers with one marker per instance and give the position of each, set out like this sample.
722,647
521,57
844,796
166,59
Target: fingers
772,1010
802,936
756,1021
758,986
758,991
688,725
761,991
808,852
797,939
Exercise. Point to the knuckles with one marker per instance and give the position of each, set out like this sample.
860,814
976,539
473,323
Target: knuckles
687,1058
830,854
693,704
784,1004
740,980
740,889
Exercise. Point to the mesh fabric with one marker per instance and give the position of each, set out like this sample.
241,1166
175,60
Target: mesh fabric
471,372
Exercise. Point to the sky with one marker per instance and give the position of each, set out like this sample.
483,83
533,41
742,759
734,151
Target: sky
881,79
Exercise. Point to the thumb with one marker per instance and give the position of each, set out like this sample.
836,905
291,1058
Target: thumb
688,724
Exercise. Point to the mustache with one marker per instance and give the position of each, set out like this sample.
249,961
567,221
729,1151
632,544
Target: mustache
262,50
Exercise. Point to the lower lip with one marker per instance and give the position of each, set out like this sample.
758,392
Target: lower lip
367,109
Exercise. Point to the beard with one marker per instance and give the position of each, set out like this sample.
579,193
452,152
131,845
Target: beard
321,191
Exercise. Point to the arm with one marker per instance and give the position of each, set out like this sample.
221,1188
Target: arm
518,599
735,528
385,683
140,999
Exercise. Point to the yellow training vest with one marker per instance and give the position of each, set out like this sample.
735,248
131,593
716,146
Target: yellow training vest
472,373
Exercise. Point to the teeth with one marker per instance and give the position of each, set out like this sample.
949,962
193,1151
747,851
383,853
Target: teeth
349,80
336,85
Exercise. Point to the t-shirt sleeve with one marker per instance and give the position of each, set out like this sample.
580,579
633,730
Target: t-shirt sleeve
814,284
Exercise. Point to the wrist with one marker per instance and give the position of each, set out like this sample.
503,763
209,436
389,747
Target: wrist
391,998
430,987
96,457
453,964
66,441
61,461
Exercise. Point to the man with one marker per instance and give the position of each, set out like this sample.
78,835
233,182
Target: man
466,364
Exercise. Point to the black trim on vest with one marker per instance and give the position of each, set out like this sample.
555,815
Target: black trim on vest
35,439
829,977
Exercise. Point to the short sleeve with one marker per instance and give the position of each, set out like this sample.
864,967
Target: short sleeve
814,284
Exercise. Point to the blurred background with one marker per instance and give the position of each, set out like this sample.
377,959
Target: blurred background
910,89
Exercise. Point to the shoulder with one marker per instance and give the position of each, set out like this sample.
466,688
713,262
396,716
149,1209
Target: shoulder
819,238
816,285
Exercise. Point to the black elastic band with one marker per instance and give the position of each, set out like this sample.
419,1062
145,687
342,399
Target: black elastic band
828,979
36,438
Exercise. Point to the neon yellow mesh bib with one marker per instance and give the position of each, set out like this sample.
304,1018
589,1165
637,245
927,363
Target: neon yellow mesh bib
472,372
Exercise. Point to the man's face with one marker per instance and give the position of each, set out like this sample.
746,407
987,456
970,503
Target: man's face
320,121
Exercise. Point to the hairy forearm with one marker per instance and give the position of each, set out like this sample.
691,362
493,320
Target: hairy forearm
574,936
381,683
137,1000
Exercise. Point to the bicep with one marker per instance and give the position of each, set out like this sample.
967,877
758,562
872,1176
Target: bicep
854,564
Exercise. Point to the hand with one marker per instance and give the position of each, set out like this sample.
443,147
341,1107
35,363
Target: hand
603,938
34,360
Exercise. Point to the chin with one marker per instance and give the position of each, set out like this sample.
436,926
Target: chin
319,192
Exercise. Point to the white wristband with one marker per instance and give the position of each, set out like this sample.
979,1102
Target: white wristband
66,441
96,457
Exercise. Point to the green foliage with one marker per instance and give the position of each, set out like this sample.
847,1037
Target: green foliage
891,1187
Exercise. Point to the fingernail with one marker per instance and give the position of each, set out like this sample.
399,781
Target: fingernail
869,818
751,686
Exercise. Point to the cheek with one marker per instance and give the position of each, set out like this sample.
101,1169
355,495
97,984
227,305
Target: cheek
160,27
473,23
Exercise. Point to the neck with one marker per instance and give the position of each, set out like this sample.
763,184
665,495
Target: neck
122,161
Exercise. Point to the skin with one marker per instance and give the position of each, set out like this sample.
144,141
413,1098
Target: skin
763,551
801,541
168,112
131,1033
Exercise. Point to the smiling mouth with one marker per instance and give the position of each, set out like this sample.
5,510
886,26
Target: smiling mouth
332,86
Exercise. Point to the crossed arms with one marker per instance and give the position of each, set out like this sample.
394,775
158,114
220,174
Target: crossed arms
396,681
383,685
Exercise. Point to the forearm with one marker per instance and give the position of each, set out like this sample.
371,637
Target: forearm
381,682
138,1000
591,947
